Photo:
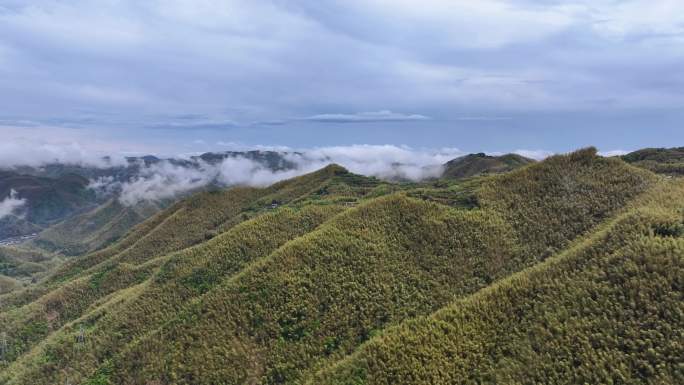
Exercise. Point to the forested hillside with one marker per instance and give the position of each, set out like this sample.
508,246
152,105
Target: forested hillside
480,164
564,271
607,310
669,161
42,201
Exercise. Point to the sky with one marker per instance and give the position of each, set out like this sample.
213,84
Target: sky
187,76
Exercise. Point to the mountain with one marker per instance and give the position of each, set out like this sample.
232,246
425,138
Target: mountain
567,270
479,164
605,310
80,218
668,161
271,160
94,229
132,166
41,201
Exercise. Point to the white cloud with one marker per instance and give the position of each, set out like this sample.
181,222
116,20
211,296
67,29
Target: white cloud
482,24
20,152
613,153
242,171
383,161
265,61
163,180
166,180
661,19
11,204
365,117
534,154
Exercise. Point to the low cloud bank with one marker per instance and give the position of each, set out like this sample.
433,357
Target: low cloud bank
11,204
159,180
167,179
35,154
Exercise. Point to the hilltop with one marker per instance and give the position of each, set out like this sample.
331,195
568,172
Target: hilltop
480,163
669,161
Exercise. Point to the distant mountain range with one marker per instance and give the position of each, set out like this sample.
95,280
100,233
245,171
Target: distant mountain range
59,208
62,211
271,160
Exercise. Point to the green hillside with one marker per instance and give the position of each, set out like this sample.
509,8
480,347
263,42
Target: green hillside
669,161
93,229
48,200
333,277
76,235
21,266
608,310
479,164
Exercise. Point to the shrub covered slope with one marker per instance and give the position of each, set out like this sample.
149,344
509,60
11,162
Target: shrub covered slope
480,163
608,310
568,270
668,161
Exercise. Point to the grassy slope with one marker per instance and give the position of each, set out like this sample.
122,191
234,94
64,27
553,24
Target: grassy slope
315,298
31,316
477,164
552,202
608,310
669,161
320,296
115,321
93,230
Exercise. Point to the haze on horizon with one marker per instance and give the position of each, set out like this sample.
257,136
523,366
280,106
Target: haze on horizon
170,77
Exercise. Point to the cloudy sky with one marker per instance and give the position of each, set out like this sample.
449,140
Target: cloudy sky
172,76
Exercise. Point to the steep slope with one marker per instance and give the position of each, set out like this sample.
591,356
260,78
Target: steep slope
273,285
669,161
94,229
322,295
478,164
553,201
116,321
32,315
607,310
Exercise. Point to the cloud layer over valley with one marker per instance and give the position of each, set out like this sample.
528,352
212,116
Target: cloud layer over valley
11,204
153,179
168,178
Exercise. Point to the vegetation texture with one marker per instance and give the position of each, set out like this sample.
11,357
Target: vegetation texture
668,161
564,271
480,164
